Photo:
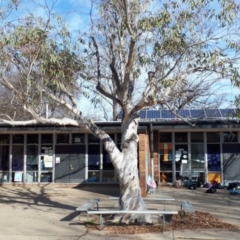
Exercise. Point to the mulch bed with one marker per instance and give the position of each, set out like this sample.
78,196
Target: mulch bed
178,222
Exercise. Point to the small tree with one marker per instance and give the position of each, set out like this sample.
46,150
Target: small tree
140,53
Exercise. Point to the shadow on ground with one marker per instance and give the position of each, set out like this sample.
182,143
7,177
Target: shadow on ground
38,196
106,189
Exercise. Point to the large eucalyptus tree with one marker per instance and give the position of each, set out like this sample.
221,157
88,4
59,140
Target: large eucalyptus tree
140,53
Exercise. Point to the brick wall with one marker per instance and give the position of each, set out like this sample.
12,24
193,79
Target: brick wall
144,153
156,156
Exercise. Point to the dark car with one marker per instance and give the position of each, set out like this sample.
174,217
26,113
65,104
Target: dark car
233,185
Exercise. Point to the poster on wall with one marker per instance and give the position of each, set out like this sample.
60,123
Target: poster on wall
57,159
18,176
181,155
178,155
48,161
165,152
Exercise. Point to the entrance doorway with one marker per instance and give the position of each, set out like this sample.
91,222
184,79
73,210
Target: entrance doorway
70,163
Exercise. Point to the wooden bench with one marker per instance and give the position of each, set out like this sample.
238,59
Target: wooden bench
86,206
151,199
104,212
186,206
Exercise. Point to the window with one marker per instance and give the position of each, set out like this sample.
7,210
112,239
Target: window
213,155
93,139
93,157
4,158
18,139
197,137
197,156
166,177
165,137
165,154
107,164
181,155
32,163
46,139
32,139
4,138
17,158
230,137
78,138
213,137
32,157
46,158
181,137
62,138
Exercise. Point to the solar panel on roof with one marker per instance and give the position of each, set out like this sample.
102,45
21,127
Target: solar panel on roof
184,113
227,112
142,114
191,114
153,114
212,113
197,113
167,114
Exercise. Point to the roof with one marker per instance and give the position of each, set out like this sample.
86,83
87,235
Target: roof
188,114
161,119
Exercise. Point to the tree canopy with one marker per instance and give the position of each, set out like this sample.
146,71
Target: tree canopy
136,53
38,56
166,53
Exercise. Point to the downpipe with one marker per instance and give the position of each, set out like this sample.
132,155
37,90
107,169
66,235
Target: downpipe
151,150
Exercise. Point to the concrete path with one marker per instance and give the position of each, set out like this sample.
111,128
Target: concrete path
48,212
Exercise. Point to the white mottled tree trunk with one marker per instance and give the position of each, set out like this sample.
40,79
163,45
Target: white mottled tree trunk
127,168
125,163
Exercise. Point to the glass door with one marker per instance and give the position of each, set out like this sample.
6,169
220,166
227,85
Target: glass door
32,158
17,157
4,157
46,158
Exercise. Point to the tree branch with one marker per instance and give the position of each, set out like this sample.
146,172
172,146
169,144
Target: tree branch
128,66
103,92
98,58
126,9
114,73
114,153
20,97
56,121
73,108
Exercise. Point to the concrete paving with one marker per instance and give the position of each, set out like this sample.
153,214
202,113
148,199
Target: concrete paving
48,212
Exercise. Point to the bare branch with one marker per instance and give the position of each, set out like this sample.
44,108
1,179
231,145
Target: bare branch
128,19
128,68
111,96
98,58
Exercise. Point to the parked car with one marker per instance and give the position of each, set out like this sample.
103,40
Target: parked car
233,186
235,192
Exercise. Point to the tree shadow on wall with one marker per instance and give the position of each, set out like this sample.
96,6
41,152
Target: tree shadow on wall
231,166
